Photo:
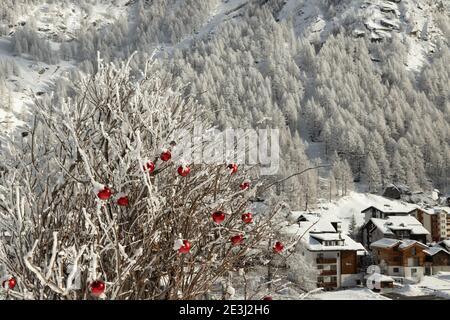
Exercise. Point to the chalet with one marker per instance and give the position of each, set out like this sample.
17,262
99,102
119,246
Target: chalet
402,192
445,244
435,221
387,209
395,191
394,227
335,255
400,258
437,259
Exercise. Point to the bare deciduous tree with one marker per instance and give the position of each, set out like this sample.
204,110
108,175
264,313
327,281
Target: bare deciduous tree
57,233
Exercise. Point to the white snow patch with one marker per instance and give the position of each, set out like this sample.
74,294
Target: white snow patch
348,294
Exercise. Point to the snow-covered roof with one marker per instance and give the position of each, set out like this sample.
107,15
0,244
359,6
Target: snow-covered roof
313,244
319,229
399,223
393,206
435,210
390,243
440,209
446,243
433,250
326,236
316,224
384,243
406,243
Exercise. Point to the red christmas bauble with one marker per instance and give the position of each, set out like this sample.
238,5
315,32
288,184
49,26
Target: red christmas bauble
149,166
278,247
123,201
237,239
267,298
247,217
183,171
245,185
104,194
185,248
166,155
218,216
97,288
233,168
9,284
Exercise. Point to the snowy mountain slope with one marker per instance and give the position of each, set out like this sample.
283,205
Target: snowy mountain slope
33,79
411,20
224,11
243,40
56,23
60,22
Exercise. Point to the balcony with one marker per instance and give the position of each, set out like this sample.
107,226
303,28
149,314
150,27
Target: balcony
326,260
328,273
326,285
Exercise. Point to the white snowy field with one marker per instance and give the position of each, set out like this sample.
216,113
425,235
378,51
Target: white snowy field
438,285
347,294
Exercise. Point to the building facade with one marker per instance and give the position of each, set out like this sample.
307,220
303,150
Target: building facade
335,255
393,227
400,258
436,222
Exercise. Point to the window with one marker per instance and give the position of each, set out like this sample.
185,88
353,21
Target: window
319,279
413,251
333,267
396,270
320,267
413,270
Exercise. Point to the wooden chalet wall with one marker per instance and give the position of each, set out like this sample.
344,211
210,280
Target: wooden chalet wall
396,257
349,262
441,259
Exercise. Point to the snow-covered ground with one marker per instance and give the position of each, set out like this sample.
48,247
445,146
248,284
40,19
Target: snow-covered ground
347,294
438,285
